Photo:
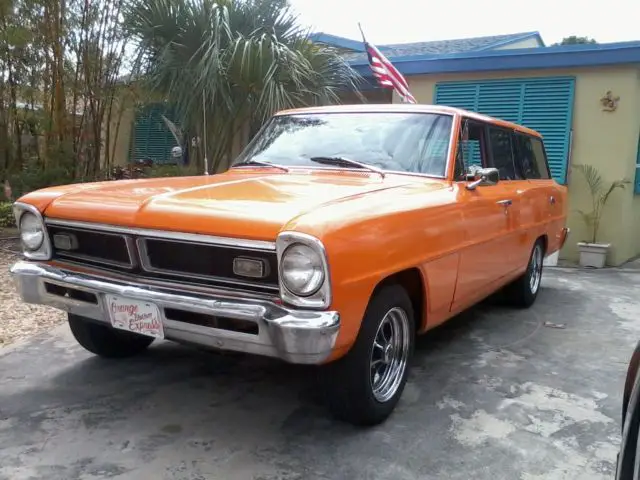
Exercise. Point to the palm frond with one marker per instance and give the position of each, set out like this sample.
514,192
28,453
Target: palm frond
245,59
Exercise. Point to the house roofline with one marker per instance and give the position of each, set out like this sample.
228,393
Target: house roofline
511,41
337,41
514,59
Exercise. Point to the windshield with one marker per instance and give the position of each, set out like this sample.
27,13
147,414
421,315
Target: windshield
400,142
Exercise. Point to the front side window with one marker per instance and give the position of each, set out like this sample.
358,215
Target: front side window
471,153
401,142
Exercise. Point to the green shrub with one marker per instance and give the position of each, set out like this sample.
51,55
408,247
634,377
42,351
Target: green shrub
6,215
34,178
171,171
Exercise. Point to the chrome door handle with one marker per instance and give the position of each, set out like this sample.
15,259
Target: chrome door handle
506,203
552,200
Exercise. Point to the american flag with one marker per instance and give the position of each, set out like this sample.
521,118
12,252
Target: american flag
386,74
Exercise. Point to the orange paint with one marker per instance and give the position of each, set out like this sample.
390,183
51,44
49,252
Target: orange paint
463,244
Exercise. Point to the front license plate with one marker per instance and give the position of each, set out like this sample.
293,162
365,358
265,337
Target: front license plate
135,316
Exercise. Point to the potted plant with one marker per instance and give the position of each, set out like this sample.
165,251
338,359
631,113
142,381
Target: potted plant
592,253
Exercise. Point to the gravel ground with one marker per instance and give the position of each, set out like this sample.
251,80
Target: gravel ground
17,319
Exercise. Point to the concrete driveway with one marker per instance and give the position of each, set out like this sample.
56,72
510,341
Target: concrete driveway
494,394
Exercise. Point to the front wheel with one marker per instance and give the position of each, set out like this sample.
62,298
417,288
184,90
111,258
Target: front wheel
524,291
365,385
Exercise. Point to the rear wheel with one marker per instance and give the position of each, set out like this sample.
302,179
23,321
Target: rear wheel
106,341
524,291
365,385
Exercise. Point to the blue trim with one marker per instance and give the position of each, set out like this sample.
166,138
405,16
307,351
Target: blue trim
513,59
510,41
336,41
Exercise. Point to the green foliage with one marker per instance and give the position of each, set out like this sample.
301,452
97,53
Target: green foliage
575,40
600,194
34,178
61,65
240,60
172,171
6,215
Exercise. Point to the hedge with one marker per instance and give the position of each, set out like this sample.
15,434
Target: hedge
6,215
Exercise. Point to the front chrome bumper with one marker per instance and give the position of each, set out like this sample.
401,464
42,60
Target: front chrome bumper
296,336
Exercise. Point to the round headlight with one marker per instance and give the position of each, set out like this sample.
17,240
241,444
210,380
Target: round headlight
31,231
301,270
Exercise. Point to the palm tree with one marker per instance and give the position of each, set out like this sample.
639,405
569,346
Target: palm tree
237,60
599,196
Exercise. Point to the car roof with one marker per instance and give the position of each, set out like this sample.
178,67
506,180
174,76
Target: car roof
408,108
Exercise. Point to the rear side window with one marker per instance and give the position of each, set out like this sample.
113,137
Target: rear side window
502,153
531,157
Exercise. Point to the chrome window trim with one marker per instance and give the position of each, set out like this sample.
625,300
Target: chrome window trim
322,297
452,141
45,250
147,267
127,240
261,245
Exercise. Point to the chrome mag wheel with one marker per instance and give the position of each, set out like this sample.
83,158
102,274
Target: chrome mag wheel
390,354
535,269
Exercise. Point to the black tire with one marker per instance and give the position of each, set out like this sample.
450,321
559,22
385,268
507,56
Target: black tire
351,395
626,465
106,341
523,291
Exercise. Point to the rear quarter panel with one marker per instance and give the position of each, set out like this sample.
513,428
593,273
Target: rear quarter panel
557,216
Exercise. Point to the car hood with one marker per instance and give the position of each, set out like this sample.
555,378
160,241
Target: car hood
253,204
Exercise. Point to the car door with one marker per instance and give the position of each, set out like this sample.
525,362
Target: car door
486,222
547,211
518,194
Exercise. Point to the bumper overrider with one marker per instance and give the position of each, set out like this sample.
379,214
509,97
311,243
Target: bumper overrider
294,335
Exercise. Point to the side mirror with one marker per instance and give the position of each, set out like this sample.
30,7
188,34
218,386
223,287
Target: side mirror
484,177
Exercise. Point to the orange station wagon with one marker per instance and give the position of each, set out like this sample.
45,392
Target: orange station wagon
337,236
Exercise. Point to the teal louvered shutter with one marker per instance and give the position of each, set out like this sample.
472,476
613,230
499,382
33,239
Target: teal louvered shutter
461,95
548,109
152,138
501,99
543,104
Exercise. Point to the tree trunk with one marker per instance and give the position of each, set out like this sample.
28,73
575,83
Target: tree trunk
14,112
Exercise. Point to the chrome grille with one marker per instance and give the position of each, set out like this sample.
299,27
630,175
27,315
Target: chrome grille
187,258
201,261
94,247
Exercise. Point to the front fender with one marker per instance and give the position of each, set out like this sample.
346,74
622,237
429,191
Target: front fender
371,237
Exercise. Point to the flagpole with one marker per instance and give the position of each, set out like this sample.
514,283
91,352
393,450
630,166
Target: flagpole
204,122
362,33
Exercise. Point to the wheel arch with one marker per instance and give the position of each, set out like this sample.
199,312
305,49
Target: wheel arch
414,283
545,242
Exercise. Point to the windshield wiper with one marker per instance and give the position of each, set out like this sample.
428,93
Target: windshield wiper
347,162
263,163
